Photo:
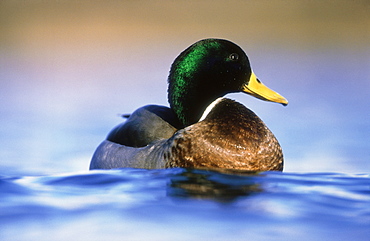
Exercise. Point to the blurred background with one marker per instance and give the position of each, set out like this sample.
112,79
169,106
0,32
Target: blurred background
69,68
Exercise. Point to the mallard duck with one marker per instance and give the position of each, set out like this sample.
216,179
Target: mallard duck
201,129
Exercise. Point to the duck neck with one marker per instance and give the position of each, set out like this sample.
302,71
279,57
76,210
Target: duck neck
189,97
189,107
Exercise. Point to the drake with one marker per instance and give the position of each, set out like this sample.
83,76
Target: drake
200,129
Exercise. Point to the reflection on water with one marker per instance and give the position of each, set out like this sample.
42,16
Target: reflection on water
185,204
213,186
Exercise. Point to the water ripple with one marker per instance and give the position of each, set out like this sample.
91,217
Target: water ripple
231,204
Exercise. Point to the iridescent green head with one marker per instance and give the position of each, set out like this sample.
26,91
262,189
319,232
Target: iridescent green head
206,70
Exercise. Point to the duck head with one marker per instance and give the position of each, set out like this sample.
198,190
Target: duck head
207,70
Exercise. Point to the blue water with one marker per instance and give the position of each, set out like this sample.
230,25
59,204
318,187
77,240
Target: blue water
185,204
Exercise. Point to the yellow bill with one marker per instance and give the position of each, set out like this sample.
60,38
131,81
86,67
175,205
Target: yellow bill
260,91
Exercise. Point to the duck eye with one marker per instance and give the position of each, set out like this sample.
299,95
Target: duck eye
234,57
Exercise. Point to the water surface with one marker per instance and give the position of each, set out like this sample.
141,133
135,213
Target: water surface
185,204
